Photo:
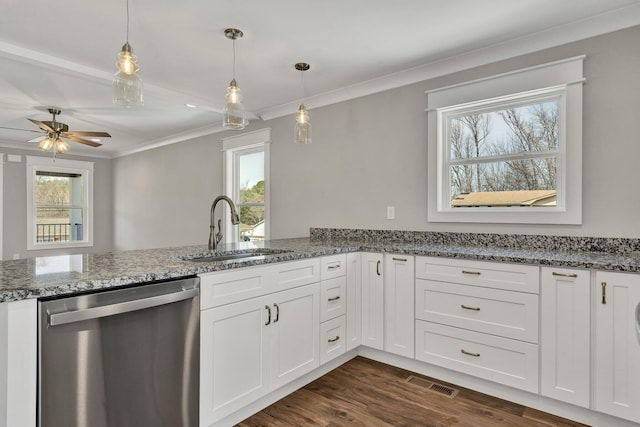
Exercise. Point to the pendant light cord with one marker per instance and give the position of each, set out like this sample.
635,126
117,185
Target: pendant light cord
127,21
301,86
234,58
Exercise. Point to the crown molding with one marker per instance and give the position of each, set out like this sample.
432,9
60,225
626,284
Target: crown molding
605,23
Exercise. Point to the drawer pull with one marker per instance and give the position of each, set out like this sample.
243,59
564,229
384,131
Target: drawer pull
333,299
474,273
399,259
572,276
466,307
463,351
334,339
333,267
269,319
604,292
277,312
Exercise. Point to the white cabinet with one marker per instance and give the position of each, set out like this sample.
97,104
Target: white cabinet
480,318
354,300
399,294
333,307
259,329
617,346
372,300
565,335
253,346
18,362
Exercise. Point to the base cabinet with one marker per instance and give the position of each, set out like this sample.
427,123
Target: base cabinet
252,347
372,300
354,301
399,295
617,346
565,335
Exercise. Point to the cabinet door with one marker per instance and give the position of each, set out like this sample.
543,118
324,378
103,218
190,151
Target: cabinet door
233,349
617,355
565,335
354,300
372,301
296,333
399,294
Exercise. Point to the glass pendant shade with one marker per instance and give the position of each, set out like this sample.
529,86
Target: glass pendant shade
61,146
46,144
302,129
127,83
234,110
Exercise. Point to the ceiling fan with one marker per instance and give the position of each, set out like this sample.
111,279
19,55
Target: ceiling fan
56,133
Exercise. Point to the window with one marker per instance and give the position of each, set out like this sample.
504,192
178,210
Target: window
59,203
508,148
247,184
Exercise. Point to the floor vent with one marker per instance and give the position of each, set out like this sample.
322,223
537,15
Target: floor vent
431,386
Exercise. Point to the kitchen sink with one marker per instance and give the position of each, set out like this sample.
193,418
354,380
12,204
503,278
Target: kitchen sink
233,255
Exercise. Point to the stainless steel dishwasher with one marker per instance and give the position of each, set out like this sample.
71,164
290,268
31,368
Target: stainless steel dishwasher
122,358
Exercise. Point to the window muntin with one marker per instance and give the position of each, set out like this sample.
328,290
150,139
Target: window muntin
505,145
59,203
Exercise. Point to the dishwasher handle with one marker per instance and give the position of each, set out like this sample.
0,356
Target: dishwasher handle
119,308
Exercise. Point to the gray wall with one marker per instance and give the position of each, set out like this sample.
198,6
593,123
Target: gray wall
14,195
162,197
370,152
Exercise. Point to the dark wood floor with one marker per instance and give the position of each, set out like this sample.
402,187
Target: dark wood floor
363,392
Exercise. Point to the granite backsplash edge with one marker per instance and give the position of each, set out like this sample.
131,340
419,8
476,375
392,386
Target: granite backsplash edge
616,245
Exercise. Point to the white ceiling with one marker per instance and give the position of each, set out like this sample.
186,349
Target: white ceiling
63,53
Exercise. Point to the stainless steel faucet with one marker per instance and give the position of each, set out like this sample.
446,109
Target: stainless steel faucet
214,238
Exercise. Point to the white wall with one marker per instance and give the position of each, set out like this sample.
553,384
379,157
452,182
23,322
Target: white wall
371,152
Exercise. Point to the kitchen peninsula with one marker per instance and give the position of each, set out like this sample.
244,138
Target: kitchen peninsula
512,270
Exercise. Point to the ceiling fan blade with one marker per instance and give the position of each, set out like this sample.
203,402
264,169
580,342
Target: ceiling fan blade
24,130
37,139
87,133
41,125
81,140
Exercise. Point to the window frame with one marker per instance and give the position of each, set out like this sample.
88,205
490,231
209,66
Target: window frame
561,79
85,169
233,147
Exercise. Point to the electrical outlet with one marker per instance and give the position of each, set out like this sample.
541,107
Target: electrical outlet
391,212
16,256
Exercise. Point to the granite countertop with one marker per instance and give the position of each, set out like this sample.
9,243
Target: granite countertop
69,274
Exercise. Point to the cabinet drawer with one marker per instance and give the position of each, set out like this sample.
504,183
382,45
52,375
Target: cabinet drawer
225,287
333,266
492,311
510,362
288,275
513,277
332,339
333,301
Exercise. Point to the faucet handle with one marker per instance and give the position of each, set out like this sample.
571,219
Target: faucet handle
219,233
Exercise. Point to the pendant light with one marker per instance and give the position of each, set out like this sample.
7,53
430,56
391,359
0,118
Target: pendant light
233,110
302,130
127,83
